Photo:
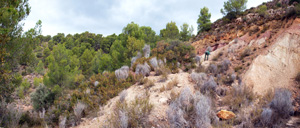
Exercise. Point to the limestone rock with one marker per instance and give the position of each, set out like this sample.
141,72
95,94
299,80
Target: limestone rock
225,115
282,59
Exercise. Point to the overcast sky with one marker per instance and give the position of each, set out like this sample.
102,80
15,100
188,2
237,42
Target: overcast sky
111,16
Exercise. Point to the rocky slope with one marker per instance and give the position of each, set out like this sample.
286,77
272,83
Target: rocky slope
280,63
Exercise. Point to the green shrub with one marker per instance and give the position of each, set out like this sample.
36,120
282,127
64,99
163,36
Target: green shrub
278,5
29,69
174,51
17,79
37,81
25,84
42,98
21,92
40,68
262,10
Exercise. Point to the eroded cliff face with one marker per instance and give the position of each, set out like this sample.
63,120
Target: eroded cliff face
280,64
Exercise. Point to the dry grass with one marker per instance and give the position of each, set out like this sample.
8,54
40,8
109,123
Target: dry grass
162,89
173,95
164,77
171,84
149,84
144,81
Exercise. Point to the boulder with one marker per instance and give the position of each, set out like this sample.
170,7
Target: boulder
226,115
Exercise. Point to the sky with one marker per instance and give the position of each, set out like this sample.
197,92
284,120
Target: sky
107,17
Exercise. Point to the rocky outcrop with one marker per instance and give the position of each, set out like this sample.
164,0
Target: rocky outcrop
226,115
279,65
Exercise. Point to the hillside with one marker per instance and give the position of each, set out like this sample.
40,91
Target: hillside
265,56
139,79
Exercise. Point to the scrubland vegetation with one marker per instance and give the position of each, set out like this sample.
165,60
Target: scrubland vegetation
75,74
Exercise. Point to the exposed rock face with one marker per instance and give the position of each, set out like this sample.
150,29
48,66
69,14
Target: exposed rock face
225,115
279,66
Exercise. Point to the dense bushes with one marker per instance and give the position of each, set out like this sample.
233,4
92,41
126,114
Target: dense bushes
174,51
107,87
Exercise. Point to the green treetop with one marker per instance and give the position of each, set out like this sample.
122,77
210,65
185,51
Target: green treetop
203,21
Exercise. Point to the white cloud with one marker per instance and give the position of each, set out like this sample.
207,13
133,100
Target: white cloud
108,17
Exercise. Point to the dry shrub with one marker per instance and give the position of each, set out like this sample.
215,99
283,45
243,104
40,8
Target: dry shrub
146,51
198,59
132,114
229,79
10,114
62,121
143,69
122,73
173,95
266,117
198,77
212,68
161,70
199,69
149,84
122,96
162,89
154,63
190,110
282,103
239,95
276,113
143,81
171,84
164,73
139,55
209,86
78,110
225,65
